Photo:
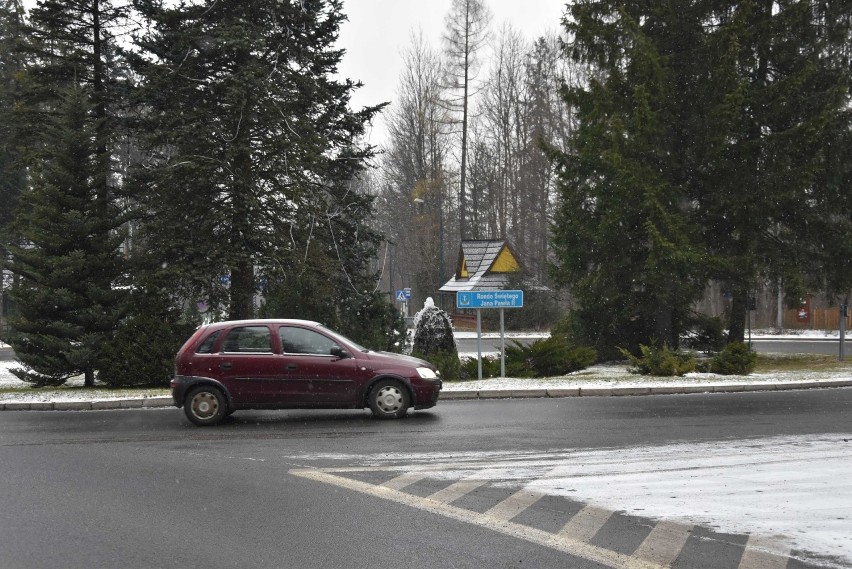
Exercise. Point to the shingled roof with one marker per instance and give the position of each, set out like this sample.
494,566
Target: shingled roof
483,265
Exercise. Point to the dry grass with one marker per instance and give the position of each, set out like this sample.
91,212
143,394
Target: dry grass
801,362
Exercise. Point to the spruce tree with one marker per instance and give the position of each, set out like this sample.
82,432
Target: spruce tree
689,163
68,260
12,171
64,255
248,131
781,96
622,234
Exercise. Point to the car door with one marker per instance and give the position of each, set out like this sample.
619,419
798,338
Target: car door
313,365
249,367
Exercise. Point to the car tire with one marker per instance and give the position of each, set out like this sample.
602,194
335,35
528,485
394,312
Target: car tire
205,406
389,399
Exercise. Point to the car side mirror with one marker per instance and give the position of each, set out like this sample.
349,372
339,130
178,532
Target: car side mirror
339,352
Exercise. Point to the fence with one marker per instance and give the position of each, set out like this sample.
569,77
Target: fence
818,319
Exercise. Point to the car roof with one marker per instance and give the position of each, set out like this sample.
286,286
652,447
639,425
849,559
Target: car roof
228,323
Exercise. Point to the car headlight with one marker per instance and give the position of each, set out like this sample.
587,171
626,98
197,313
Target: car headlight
427,373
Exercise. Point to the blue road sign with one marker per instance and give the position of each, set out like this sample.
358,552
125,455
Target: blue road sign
407,292
490,299
400,296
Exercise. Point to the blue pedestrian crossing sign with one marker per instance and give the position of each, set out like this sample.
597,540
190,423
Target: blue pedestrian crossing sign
403,295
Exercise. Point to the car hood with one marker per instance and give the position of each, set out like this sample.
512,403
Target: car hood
391,357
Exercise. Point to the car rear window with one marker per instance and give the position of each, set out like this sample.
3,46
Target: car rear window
248,339
206,346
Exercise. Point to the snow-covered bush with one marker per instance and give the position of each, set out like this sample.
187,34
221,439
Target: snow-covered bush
434,340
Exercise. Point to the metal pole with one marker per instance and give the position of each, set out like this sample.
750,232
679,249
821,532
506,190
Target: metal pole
479,342
502,346
749,307
844,312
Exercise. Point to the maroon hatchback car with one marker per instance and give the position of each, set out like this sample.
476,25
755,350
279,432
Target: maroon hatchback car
287,364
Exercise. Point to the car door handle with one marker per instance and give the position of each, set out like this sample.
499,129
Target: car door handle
292,366
226,365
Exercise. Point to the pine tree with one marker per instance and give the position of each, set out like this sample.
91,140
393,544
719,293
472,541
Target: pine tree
332,283
622,236
689,162
781,86
64,255
69,258
248,131
12,172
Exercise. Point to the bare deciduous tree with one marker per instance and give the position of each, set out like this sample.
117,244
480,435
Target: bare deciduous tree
465,37
415,203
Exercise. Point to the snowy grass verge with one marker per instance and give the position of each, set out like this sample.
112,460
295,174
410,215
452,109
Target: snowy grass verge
775,369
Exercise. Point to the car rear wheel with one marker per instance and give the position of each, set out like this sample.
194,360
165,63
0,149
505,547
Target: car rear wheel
389,399
205,405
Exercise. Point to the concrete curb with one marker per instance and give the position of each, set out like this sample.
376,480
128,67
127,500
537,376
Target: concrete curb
637,391
463,395
103,405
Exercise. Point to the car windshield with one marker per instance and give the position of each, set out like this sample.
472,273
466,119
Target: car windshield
340,337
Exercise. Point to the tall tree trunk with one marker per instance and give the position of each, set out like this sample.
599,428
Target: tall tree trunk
242,291
739,308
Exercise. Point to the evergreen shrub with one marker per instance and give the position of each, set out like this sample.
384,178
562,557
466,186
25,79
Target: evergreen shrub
470,368
553,356
735,359
660,361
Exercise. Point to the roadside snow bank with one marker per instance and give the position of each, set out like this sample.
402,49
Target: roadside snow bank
609,376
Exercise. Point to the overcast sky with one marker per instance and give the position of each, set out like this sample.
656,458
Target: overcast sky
379,31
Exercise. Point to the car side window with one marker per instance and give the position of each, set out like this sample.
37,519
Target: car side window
248,339
206,346
301,341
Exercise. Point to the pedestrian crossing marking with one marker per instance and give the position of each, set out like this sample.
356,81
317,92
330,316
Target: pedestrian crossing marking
764,553
659,550
585,524
514,504
404,480
567,545
456,490
664,543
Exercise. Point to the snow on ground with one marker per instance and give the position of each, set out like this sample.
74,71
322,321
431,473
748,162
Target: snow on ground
793,490
608,376
599,376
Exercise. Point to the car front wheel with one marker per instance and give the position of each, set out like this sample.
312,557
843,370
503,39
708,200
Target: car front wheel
205,406
389,399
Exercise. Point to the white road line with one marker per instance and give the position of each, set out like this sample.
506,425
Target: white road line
564,544
664,543
404,480
765,553
456,490
514,504
585,523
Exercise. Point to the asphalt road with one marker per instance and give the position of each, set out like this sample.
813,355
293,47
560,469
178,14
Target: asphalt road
146,489
829,347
